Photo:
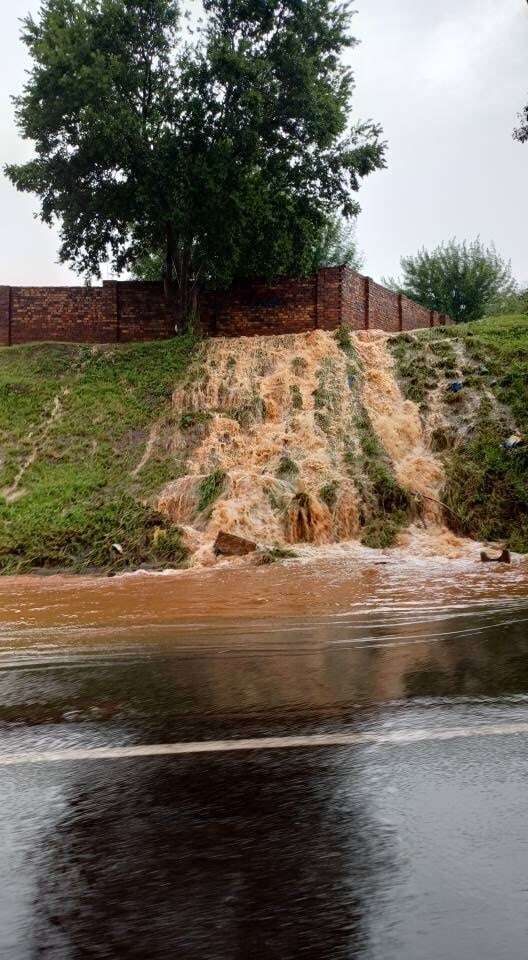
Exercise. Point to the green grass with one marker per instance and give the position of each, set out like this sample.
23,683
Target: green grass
210,489
275,555
81,491
287,468
487,486
386,504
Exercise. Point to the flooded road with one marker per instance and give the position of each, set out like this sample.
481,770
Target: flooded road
326,759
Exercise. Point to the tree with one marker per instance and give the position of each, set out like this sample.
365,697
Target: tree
337,245
227,153
521,132
459,279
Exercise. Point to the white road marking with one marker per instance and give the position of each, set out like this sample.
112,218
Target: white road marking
389,738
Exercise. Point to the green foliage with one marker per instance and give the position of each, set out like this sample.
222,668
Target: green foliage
487,487
328,493
418,372
387,505
287,468
210,489
512,302
296,397
275,555
337,245
79,493
222,157
298,366
194,418
459,279
381,532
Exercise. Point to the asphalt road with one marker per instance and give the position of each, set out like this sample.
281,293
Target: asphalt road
361,797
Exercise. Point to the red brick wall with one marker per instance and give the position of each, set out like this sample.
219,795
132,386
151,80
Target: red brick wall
126,311
5,333
256,307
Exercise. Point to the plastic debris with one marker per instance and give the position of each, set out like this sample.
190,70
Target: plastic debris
514,441
456,386
118,548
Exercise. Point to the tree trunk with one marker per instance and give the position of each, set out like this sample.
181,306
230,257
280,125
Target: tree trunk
169,260
180,287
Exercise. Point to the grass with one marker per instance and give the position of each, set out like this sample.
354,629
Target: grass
210,489
487,485
386,504
275,555
81,491
417,369
287,468
328,493
296,397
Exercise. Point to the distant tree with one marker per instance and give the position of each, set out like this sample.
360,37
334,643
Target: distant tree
512,302
225,155
521,132
459,279
337,245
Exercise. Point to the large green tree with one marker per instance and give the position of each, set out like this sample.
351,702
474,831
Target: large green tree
227,149
459,279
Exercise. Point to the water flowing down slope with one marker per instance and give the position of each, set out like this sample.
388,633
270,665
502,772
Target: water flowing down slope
297,438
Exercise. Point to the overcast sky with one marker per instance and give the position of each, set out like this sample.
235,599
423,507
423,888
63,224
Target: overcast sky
445,78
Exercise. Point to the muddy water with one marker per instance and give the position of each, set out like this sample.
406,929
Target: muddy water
374,852
278,421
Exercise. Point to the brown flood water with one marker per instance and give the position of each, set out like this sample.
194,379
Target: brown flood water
323,584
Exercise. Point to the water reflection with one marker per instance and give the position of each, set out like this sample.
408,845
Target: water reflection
215,858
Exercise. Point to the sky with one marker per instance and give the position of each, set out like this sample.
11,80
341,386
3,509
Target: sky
445,78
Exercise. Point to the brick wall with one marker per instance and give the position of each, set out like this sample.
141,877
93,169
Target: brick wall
130,310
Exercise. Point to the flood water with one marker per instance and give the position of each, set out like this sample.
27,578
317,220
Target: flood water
411,846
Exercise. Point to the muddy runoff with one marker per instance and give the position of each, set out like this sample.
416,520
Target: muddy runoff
279,436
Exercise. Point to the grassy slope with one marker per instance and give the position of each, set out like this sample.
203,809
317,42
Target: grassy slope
487,486
79,494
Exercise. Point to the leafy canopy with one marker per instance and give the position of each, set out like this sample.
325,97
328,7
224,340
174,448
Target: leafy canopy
459,279
225,150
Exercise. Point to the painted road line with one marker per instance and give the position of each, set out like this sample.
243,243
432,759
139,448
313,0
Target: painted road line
388,738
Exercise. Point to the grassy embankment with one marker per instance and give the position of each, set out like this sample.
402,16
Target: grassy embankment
75,422
487,485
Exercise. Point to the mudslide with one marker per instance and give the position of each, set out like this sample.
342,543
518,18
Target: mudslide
269,427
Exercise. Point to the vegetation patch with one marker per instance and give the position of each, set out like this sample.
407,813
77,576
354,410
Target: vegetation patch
386,504
194,418
328,493
210,489
296,397
287,468
79,492
486,483
275,555
417,371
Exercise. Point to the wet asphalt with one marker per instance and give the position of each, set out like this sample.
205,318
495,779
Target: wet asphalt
402,851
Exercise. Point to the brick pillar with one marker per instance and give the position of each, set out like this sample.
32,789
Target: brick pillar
367,303
5,316
400,312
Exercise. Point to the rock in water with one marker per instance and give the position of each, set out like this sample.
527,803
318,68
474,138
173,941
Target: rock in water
227,545
505,557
